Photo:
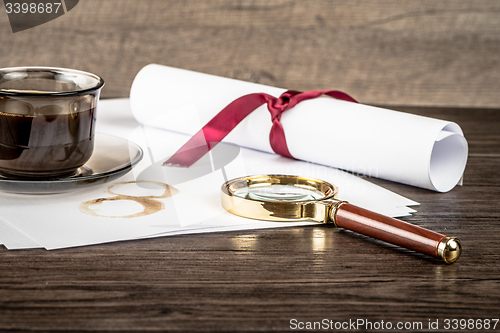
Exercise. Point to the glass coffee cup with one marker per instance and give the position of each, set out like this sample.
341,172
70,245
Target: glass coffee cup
47,121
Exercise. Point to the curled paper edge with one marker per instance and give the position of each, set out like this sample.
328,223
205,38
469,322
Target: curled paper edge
448,158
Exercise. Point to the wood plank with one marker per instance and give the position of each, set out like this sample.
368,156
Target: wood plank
425,52
258,280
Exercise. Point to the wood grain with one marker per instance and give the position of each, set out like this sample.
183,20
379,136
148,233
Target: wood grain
256,281
423,52
388,229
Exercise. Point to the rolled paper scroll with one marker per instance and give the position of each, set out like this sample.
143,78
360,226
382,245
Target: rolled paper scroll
397,146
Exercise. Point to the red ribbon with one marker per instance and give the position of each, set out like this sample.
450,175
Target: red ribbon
227,119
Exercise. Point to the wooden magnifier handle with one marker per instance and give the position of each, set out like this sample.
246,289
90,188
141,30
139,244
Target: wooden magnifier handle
396,232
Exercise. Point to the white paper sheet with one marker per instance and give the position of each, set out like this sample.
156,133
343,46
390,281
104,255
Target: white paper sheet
397,146
14,239
56,221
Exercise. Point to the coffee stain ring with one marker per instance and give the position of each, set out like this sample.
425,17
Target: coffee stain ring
149,203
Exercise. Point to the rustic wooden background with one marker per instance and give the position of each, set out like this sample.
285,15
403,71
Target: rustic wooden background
392,52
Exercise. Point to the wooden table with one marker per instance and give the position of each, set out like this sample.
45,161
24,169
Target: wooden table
261,280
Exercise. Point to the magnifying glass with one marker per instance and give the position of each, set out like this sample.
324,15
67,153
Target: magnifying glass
283,198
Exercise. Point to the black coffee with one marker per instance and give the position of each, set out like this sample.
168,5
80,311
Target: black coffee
36,145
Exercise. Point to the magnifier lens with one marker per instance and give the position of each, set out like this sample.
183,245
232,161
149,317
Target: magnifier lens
279,192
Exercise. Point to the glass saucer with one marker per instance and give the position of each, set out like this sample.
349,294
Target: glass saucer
112,158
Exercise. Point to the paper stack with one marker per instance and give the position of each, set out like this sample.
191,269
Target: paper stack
57,221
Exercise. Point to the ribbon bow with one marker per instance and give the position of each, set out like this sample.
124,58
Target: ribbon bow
229,117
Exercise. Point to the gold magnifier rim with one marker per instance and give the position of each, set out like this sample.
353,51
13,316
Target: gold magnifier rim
314,210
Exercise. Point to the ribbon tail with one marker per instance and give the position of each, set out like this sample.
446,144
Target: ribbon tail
340,95
216,129
278,140
190,152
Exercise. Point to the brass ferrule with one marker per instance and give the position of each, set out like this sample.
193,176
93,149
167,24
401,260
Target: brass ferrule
333,211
